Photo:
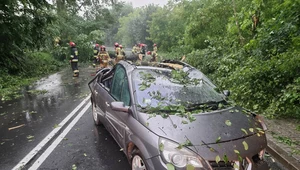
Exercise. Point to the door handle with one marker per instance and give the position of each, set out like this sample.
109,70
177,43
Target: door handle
107,104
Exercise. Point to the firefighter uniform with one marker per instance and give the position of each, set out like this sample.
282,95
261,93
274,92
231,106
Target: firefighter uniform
96,52
104,56
119,54
74,60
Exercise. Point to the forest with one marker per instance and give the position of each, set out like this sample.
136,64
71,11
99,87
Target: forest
250,47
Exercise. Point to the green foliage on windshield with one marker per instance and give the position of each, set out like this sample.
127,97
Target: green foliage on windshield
173,92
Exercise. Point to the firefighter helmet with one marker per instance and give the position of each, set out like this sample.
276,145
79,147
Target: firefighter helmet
72,44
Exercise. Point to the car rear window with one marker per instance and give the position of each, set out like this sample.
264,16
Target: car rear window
166,87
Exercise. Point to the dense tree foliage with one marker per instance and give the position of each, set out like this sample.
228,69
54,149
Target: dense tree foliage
248,47
30,28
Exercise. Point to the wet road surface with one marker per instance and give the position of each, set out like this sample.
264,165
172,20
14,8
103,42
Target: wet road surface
87,147
35,116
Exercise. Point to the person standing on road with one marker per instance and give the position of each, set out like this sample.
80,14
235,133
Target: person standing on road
134,49
122,51
96,53
119,55
104,56
142,51
154,52
74,59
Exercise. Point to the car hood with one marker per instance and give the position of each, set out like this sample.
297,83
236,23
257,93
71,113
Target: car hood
217,127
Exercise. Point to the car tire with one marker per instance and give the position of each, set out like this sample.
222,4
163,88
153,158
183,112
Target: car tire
95,115
138,161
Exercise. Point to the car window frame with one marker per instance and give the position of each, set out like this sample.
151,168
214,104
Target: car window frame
122,88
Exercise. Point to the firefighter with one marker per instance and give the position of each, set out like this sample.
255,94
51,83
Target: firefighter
122,51
104,56
74,59
134,49
119,55
154,52
142,51
96,53
138,49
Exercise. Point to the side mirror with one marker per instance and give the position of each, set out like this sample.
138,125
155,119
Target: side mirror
119,106
226,93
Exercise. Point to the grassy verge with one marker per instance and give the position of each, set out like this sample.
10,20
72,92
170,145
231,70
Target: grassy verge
35,66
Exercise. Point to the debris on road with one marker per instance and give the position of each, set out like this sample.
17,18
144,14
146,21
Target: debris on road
16,127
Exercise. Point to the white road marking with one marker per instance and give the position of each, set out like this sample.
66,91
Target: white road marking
35,150
50,149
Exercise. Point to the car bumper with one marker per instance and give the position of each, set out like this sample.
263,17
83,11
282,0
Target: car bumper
156,163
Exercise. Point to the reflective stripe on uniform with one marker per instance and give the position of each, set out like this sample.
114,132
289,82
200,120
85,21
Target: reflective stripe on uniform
76,71
74,60
72,56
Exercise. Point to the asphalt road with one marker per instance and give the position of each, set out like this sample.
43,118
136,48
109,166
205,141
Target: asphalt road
87,147
84,146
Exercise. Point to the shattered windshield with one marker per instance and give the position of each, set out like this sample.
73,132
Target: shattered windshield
163,87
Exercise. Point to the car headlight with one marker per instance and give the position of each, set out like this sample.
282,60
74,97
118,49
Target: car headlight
180,157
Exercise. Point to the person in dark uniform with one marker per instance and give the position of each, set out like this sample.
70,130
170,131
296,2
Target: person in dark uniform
74,59
96,58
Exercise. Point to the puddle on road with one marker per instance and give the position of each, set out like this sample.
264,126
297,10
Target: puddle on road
37,110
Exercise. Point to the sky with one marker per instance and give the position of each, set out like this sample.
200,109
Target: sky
139,3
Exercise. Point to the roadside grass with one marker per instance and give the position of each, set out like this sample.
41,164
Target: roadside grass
35,66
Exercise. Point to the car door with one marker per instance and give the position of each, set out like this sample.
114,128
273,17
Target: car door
119,92
101,94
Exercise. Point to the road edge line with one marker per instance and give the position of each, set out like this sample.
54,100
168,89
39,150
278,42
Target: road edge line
56,142
49,137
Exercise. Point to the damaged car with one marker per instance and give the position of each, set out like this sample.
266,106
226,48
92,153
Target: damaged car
169,115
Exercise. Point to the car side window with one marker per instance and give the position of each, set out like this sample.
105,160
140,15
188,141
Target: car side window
125,96
107,82
119,88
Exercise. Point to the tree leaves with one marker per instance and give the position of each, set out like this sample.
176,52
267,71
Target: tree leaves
218,159
228,123
161,147
170,166
245,145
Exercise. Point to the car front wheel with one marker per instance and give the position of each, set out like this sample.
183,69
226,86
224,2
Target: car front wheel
137,162
95,115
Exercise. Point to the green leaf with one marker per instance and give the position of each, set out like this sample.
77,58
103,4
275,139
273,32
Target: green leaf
218,140
251,130
161,147
179,146
245,145
218,159
184,122
74,167
228,123
170,166
56,126
237,152
30,137
147,123
190,167
225,158
85,154
235,166
244,131
143,87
